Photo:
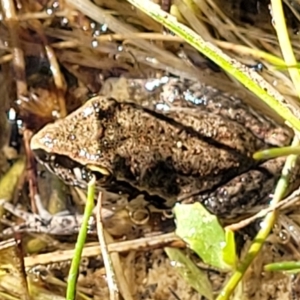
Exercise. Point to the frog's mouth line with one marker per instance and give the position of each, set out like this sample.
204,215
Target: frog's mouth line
68,170
75,174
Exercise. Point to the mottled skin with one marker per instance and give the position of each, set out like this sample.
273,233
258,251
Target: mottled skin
168,148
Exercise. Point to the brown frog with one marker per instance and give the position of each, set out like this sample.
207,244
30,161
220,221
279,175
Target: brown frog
170,140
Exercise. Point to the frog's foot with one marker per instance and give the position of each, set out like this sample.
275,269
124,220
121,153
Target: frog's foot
63,223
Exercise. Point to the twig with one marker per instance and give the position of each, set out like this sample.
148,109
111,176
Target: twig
142,244
30,169
45,15
293,198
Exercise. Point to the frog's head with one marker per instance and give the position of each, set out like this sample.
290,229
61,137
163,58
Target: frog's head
71,172
70,147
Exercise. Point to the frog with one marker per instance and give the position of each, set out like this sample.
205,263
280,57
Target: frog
169,140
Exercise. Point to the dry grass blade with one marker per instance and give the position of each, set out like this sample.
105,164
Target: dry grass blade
141,244
110,273
102,17
289,201
12,270
11,19
58,80
54,66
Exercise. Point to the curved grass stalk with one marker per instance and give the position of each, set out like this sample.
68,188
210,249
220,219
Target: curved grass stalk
266,227
249,78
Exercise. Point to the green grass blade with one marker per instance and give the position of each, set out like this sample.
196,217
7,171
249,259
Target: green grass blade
73,273
249,78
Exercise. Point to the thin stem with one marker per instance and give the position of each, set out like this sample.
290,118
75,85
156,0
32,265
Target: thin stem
73,273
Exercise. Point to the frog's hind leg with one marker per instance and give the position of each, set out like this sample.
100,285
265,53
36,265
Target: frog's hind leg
246,193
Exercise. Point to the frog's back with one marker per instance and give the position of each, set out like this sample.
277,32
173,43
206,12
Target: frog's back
167,148
177,151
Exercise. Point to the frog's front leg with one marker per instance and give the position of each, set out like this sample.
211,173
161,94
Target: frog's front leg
42,222
62,223
245,193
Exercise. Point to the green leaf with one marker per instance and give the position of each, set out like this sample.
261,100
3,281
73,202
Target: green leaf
190,272
203,233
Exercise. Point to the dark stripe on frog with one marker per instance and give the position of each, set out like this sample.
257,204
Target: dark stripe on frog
193,132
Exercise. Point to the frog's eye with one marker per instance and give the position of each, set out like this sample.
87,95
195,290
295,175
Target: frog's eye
97,169
102,174
86,173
